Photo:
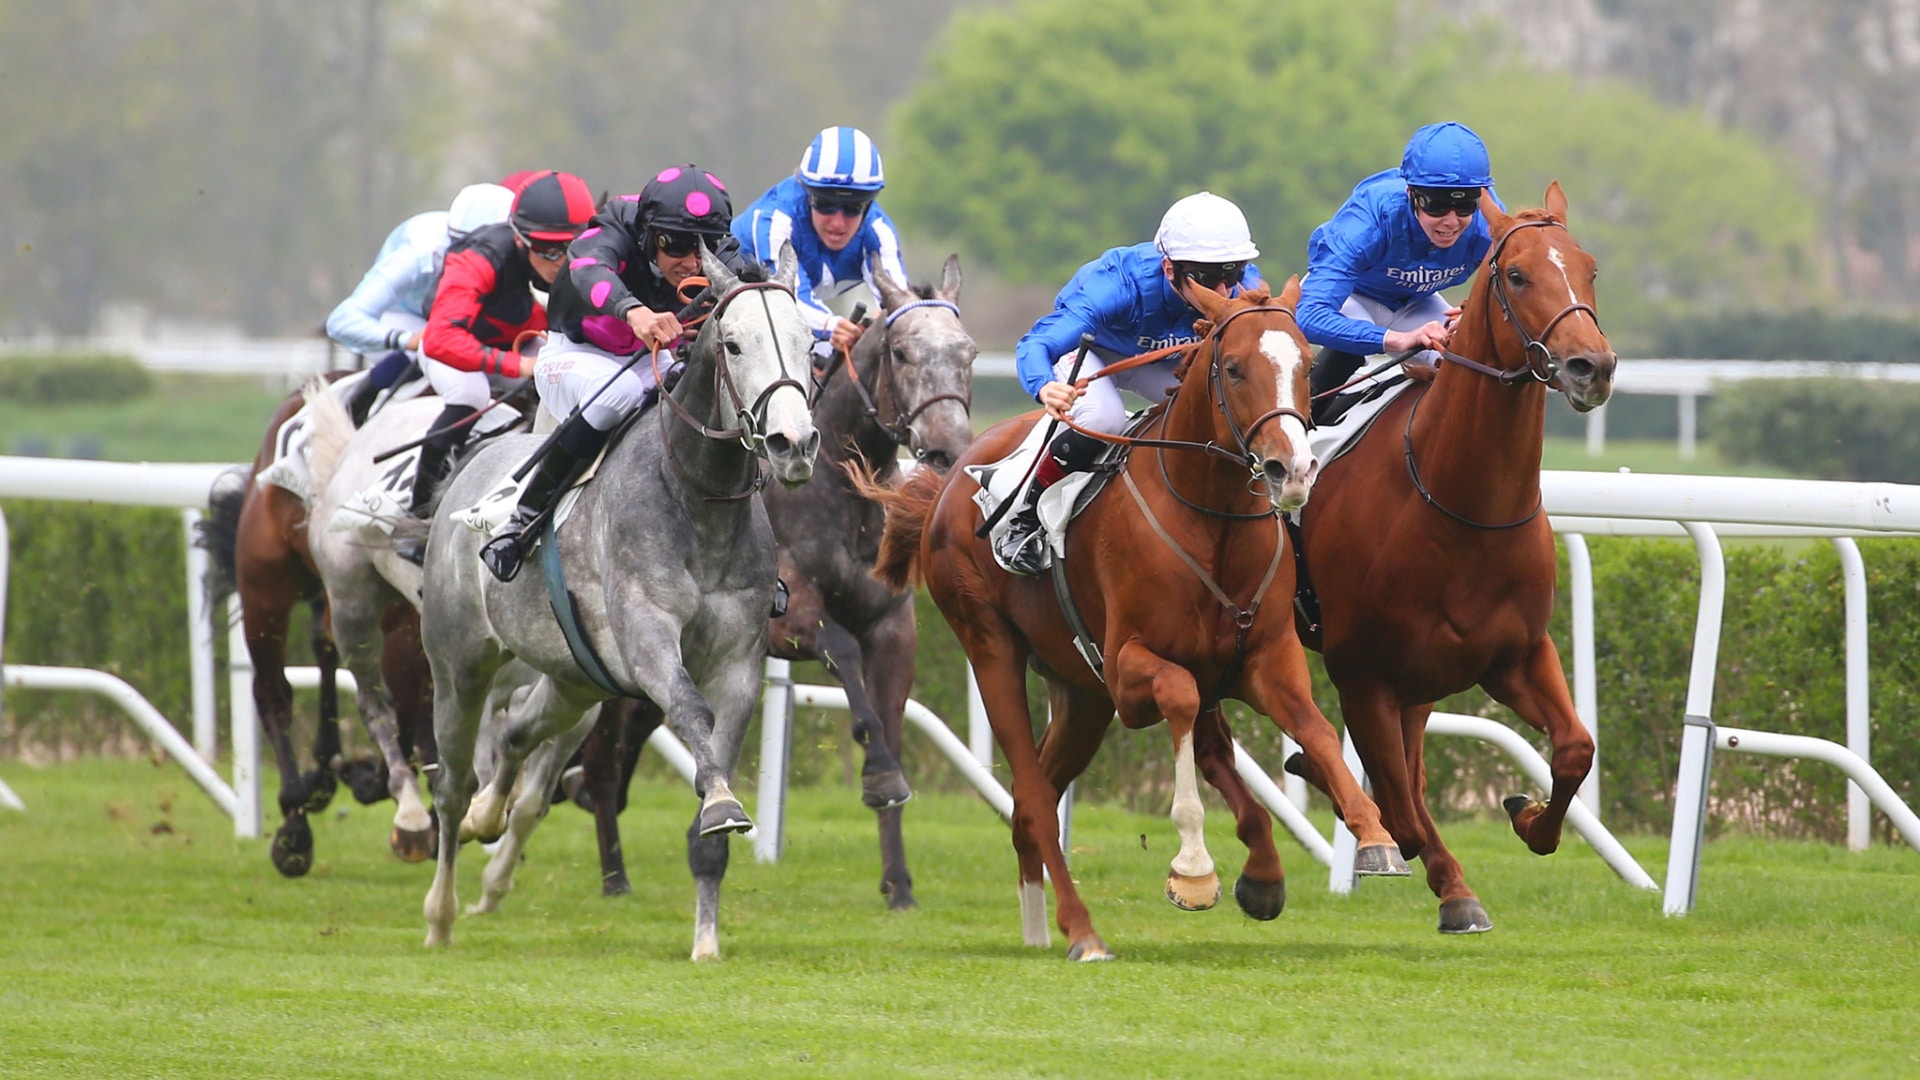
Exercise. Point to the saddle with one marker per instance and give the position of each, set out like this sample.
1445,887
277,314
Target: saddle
1006,479
1354,411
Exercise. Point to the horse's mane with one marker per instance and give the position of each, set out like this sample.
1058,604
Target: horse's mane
921,290
755,271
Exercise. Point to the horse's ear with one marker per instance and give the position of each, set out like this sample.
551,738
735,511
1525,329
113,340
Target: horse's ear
1290,292
786,267
891,294
717,273
1210,304
950,279
1498,221
1556,202
1258,294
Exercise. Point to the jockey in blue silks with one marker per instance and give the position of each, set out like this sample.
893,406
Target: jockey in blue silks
387,312
826,210
1375,271
1132,300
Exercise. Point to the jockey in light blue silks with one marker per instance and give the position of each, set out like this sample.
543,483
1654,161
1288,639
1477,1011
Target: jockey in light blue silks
386,313
1132,300
826,210
1375,271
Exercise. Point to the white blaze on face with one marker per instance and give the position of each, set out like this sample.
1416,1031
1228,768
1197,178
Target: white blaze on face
1554,256
1283,351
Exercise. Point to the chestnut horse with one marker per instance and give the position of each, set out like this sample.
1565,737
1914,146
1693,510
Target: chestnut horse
256,538
1170,567
1432,559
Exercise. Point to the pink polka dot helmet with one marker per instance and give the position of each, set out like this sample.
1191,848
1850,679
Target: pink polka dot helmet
683,205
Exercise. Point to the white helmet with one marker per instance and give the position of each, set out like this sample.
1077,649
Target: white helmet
1205,228
476,206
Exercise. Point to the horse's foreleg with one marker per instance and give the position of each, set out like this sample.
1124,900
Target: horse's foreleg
1536,689
532,797
888,672
882,782
265,604
356,627
403,664
1144,686
1261,889
1277,684
1460,910
608,758
545,713
456,721
320,782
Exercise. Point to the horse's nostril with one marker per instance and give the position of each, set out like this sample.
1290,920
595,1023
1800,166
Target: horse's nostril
1274,467
778,443
1580,367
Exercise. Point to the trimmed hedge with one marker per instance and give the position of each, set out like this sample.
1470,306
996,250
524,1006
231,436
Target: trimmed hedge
60,379
1838,429
1786,335
98,587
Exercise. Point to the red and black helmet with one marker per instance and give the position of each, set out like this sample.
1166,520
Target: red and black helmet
552,206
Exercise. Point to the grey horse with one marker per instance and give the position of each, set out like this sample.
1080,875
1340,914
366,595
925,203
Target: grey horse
909,385
670,558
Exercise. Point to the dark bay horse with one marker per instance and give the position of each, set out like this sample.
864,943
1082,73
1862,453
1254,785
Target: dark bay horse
1432,559
256,537
908,383
1173,567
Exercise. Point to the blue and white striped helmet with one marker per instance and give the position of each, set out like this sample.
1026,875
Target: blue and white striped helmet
842,157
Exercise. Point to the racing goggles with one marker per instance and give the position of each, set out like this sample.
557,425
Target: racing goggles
677,245
1213,275
549,250
1439,202
850,206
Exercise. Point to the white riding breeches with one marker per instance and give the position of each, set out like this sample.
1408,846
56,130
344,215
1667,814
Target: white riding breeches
569,374
1429,308
456,387
1100,408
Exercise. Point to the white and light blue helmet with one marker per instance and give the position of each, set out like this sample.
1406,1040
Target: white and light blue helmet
842,158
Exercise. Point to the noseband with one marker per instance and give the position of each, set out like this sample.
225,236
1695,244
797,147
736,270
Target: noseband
886,382
750,433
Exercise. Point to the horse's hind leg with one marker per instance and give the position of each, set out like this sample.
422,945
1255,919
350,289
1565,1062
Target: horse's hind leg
320,782
882,782
403,664
608,758
359,601
458,696
1146,687
1537,691
532,797
266,599
1460,910
1261,889
888,672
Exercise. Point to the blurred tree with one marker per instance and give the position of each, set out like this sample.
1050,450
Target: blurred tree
1046,134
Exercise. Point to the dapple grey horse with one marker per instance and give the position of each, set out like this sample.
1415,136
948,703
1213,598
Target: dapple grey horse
670,558
909,385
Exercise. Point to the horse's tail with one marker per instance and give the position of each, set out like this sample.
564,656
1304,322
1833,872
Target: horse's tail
908,507
218,533
331,429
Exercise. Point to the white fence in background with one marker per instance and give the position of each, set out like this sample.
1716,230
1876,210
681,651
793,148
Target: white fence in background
1579,504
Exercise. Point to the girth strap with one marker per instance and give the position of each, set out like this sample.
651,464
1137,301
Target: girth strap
1082,637
566,612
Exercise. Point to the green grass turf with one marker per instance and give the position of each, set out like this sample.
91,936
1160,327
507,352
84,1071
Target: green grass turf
126,952
186,418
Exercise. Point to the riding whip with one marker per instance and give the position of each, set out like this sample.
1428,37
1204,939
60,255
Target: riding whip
1073,376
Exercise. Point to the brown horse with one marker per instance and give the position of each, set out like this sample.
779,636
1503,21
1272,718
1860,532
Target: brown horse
1433,562
256,536
1170,567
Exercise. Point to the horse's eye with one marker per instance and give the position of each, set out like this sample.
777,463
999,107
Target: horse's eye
1516,278
732,347
1233,371
900,357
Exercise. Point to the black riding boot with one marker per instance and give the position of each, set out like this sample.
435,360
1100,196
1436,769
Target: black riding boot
577,444
1331,370
1023,547
427,475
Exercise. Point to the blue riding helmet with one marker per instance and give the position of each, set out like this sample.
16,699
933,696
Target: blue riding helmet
1446,155
842,158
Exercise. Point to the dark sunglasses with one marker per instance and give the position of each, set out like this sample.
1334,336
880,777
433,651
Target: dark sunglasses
827,207
550,250
1212,276
677,245
1441,203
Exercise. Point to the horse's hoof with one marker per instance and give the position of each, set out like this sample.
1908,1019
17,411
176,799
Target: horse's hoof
1464,915
1090,950
1193,893
883,791
320,786
724,816
1380,860
364,778
1516,803
292,850
573,787
1295,765
616,886
413,846
899,896
1263,900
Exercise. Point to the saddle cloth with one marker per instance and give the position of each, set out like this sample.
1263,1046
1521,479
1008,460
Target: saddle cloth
493,509
374,510
1381,386
289,468
1002,480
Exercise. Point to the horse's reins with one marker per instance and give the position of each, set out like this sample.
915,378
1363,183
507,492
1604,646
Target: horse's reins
748,433
1545,371
886,384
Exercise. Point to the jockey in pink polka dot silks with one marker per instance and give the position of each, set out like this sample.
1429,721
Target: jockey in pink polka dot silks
826,210
618,295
